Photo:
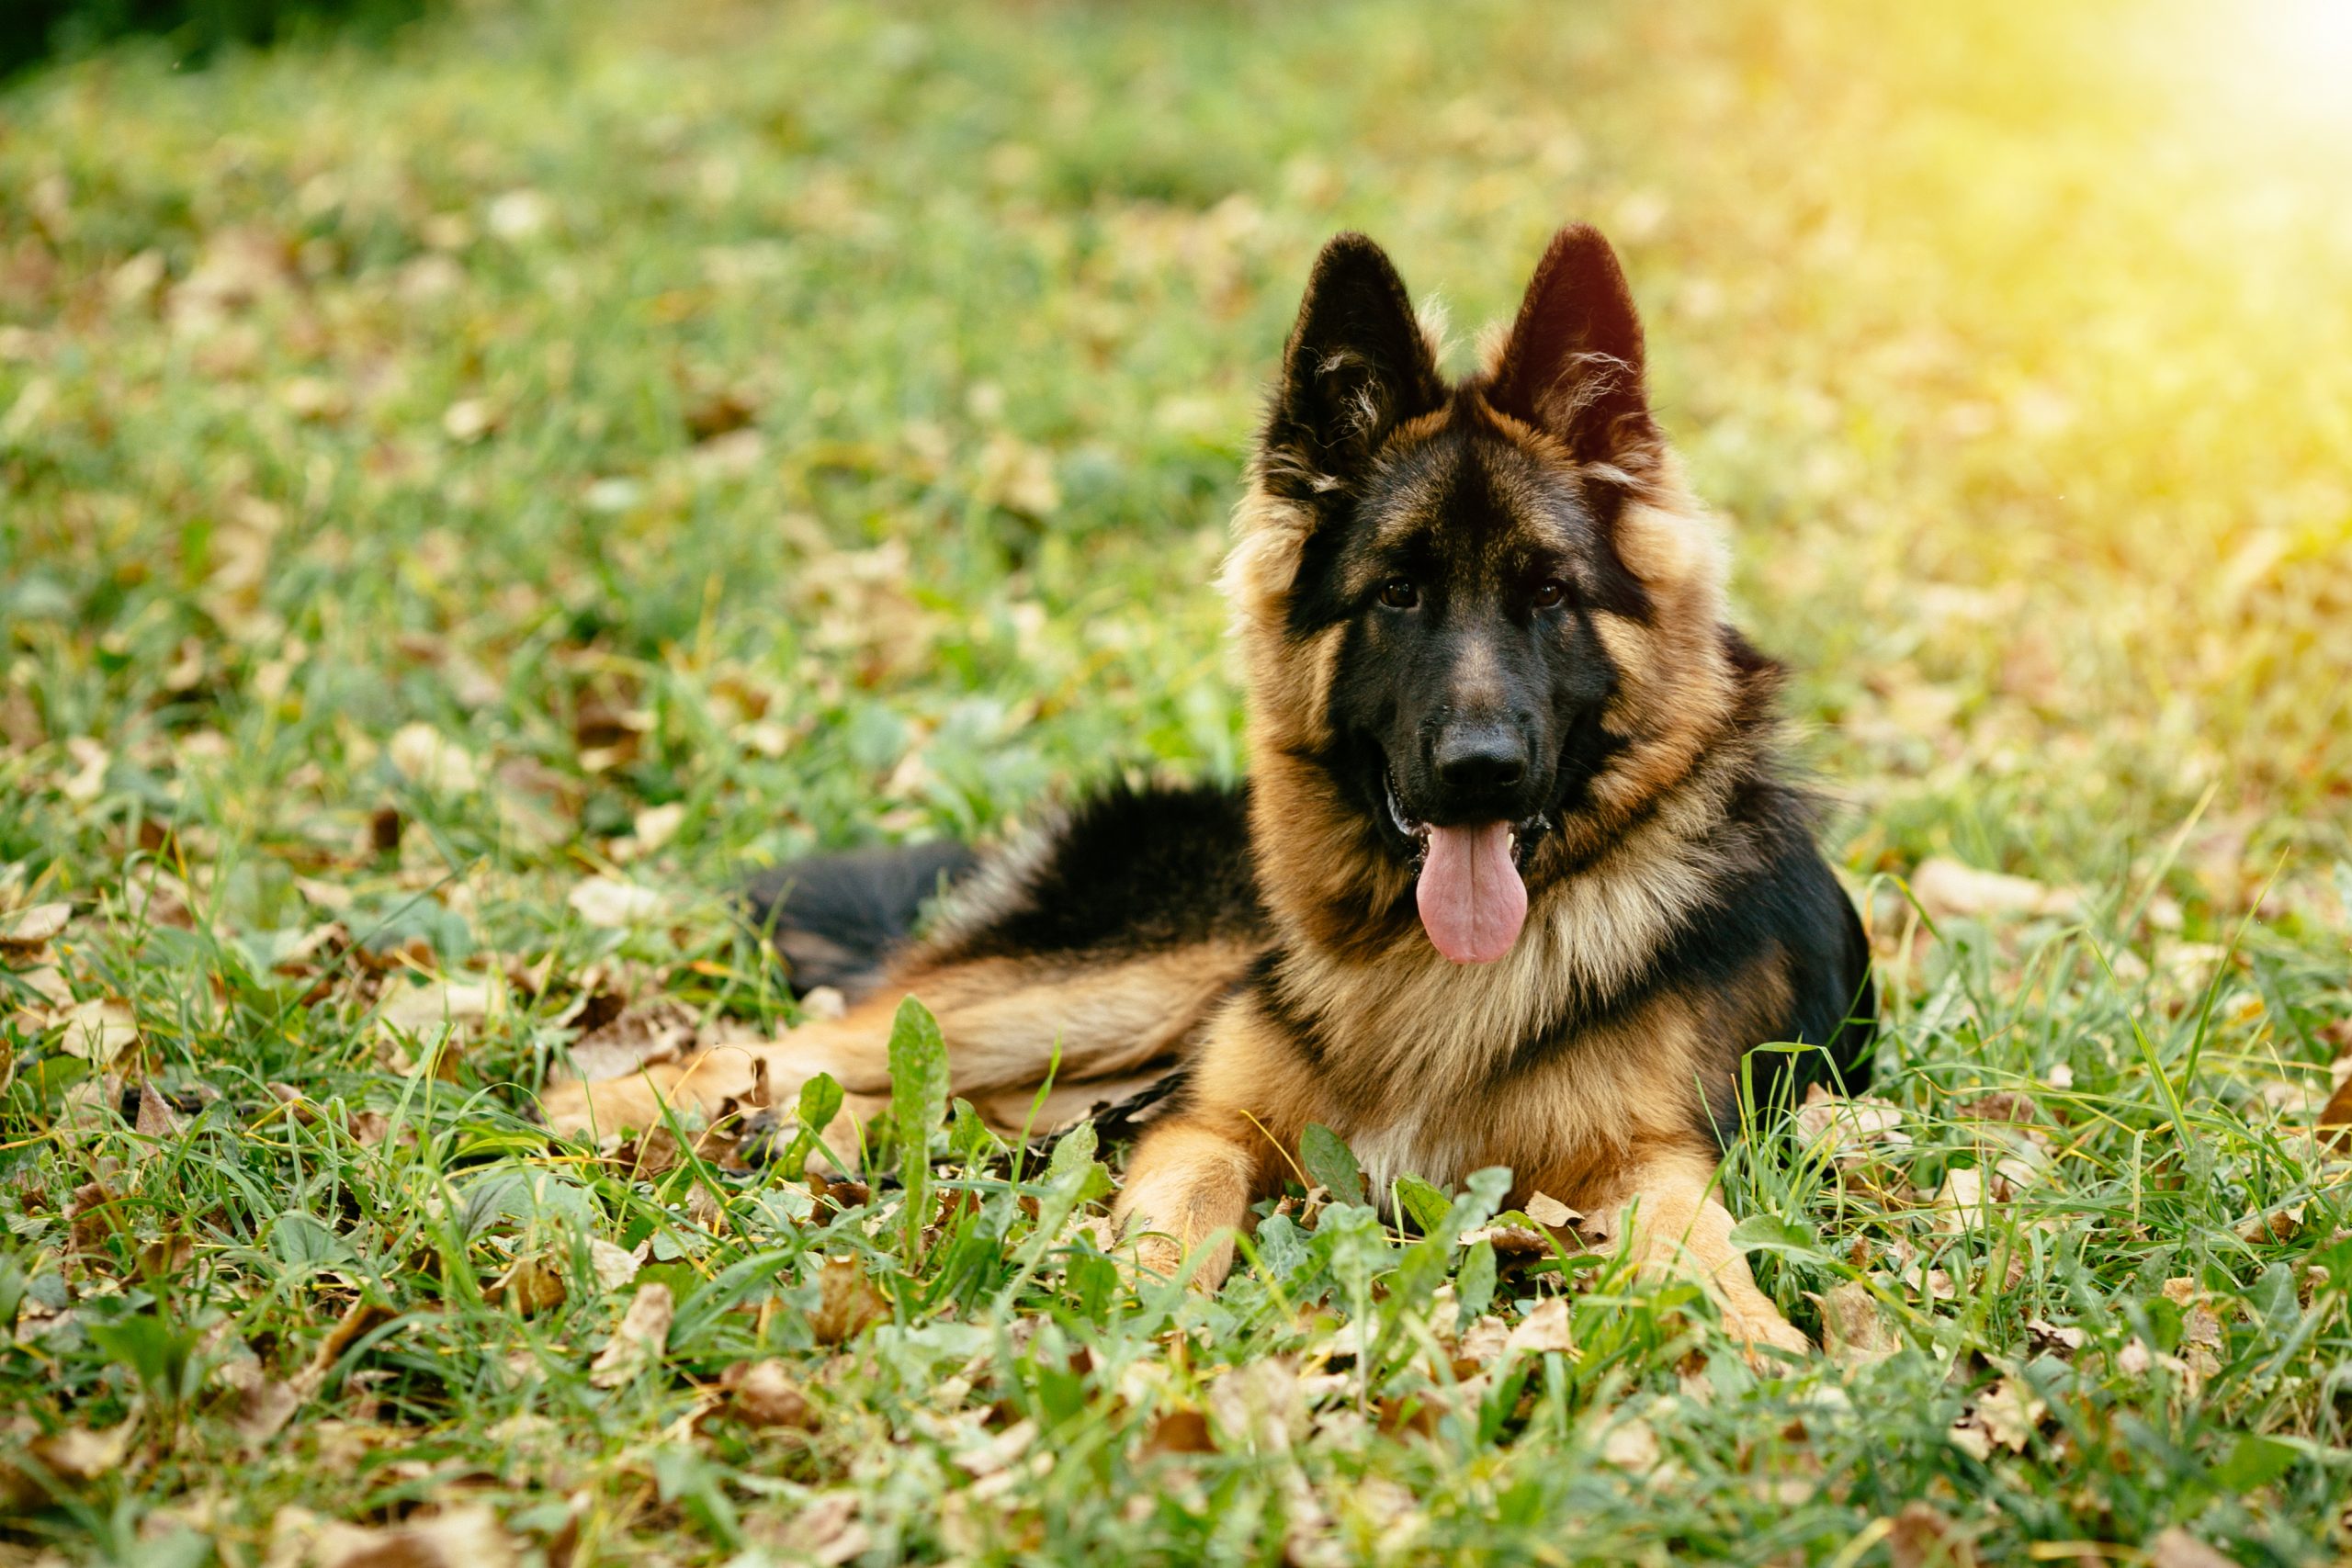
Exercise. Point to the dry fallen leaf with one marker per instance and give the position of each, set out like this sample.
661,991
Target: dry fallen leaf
763,1394
72,1458
430,760
1546,1329
1849,1130
1258,1405
2009,1412
98,1032
1922,1537
28,930
636,1342
1971,1439
1180,1432
2176,1547
1485,1340
531,1283
614,1266
845,1302
1547,1210
1631,1445
1853,1329
156,1117
2279,1225
638,1038
358,1319
411,1009
2335,1117
467,1536
997,1453
604,901
266,1403
1946,888
829,1531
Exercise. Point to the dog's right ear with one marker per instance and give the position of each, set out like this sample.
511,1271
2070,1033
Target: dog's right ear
1356,367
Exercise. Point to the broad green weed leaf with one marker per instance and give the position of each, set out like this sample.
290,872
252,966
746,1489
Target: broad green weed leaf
1769,1233
1329,1162
918,1105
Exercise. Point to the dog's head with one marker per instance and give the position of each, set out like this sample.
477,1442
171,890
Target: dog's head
1482,618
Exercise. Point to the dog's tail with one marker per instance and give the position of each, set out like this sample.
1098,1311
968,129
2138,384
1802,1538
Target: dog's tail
839,919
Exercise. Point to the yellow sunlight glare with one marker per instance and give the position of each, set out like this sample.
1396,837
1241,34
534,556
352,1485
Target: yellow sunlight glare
2300,56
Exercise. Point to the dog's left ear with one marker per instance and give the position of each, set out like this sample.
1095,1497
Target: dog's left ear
1572,365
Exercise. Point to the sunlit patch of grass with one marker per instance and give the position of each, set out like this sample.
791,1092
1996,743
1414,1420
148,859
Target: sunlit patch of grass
461,506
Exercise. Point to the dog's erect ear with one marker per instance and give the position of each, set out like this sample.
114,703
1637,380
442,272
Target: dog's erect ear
1572,365
1356,367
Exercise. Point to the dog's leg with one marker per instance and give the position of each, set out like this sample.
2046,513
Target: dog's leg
1194,1175
1188,1187
1007,1023
1678,1226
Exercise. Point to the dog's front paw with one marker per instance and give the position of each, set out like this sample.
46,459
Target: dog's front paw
1757,1326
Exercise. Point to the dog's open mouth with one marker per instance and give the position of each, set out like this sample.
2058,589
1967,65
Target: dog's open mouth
1472,899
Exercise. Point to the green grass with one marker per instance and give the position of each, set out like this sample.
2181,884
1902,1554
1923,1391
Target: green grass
822,422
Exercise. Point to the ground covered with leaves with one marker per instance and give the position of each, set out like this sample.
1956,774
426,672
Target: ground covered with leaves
464,505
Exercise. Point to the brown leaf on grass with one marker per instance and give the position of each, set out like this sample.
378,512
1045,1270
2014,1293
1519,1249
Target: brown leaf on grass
98,1032
615,1267
1853,1329
1258,1405
1546,1329
47,982
1919,1536
2001,1105
1484,1342
411,1009
638,1342
1510,1241
2008,1412
613,904
2175,1548
2335,1117
384,825
430,760
720,413
846,1303
1631,1445
264,1404
467,1536
2054,1339
828,1530
763,1394
358,1319
1946,888
638,1038
1179,1432
530,1284
25,932
75,1457
1548,1211
2279,1225
89,1215
1849,1130
156,1117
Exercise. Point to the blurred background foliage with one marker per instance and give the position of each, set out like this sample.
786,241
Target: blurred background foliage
193,30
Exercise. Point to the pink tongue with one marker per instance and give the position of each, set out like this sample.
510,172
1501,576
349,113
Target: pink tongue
1473,902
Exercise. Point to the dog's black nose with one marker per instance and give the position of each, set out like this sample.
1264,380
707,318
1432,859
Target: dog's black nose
1478,759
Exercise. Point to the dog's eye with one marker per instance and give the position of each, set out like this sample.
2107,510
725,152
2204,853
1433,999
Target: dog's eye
1398,593
1551,593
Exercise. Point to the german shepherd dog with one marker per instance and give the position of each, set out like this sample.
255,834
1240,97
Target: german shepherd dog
1516,879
